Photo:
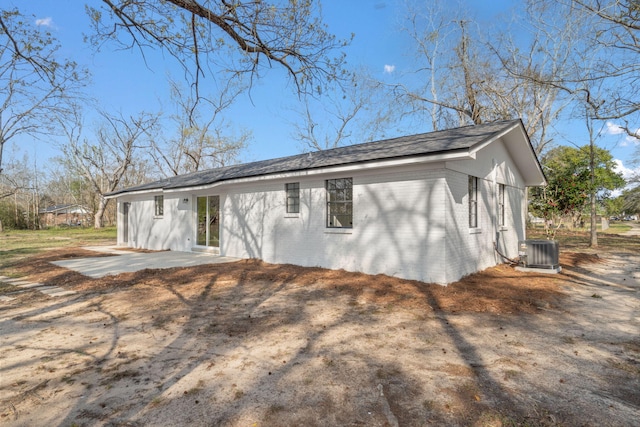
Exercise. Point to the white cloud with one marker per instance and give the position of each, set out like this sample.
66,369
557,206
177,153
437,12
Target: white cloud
614,129
388,69
625,171
45,22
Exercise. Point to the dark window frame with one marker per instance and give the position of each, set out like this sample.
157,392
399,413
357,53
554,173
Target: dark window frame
339,202
292,197
158,202
501,205
473,202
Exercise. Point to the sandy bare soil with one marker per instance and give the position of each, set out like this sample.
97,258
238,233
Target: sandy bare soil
252,344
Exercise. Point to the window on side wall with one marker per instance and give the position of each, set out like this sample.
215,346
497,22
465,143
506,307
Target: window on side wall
340,203
473,202
292,191
501,211
159,206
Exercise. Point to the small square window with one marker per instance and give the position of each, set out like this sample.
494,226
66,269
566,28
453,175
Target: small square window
159,206
292,191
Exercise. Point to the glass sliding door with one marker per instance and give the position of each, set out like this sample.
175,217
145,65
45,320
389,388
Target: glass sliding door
214,221
208,233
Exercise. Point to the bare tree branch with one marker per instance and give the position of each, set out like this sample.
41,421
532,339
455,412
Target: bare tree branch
257,33
36,87
104,163
202,138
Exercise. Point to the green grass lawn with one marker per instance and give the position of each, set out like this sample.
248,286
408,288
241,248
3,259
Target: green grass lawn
617,228
578,239
15,244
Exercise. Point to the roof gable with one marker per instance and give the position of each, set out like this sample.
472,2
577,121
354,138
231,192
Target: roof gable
464,140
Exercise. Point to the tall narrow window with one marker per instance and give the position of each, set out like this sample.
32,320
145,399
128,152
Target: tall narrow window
159,205
340,203
501,218
293,197
473,202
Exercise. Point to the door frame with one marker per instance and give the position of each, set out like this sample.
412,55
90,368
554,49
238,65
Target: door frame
208,221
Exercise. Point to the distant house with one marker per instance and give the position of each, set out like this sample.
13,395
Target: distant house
69,214
432,207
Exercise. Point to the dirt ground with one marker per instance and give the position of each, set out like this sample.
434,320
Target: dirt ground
253,344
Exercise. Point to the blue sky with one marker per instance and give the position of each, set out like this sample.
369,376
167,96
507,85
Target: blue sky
123,82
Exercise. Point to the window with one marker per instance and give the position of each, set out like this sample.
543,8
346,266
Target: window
159,205
293,197
501,217
473,202
340,203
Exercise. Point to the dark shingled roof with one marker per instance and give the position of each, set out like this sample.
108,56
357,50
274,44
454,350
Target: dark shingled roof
458,139
57,208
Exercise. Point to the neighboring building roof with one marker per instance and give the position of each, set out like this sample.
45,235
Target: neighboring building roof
463,139
66,208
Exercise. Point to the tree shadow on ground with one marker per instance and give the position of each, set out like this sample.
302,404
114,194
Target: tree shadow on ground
249,342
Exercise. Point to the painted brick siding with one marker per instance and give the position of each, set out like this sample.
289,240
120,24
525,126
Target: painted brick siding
401,224
398,224
470,250
460,246
173,230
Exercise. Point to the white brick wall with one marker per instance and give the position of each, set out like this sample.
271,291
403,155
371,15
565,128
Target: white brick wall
174,230
398,218
470,250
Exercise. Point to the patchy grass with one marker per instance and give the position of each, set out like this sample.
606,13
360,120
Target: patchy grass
617,228
17,244
578,240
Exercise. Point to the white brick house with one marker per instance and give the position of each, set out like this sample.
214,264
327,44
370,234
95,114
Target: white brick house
429,207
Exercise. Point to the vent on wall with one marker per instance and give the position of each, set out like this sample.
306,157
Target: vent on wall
539,254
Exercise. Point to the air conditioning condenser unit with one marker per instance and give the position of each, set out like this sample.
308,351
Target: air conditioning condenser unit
539,254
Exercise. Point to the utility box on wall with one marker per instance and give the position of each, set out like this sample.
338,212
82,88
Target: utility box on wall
542,254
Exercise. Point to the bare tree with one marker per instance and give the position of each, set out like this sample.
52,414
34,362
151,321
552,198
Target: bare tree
36,86
548,56
105,162
449,76
430,32
605,55
203,138
342,114
17,185
611,36
241,37
454,75
461,78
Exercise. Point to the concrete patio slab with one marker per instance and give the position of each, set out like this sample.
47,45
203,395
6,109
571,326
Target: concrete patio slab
28,285
25,286
57,292
15,282
128,262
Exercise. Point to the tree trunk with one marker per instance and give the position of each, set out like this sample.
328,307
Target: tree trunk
97,218
2,141
593,242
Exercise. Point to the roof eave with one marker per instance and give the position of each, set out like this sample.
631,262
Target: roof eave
462,154
519,147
